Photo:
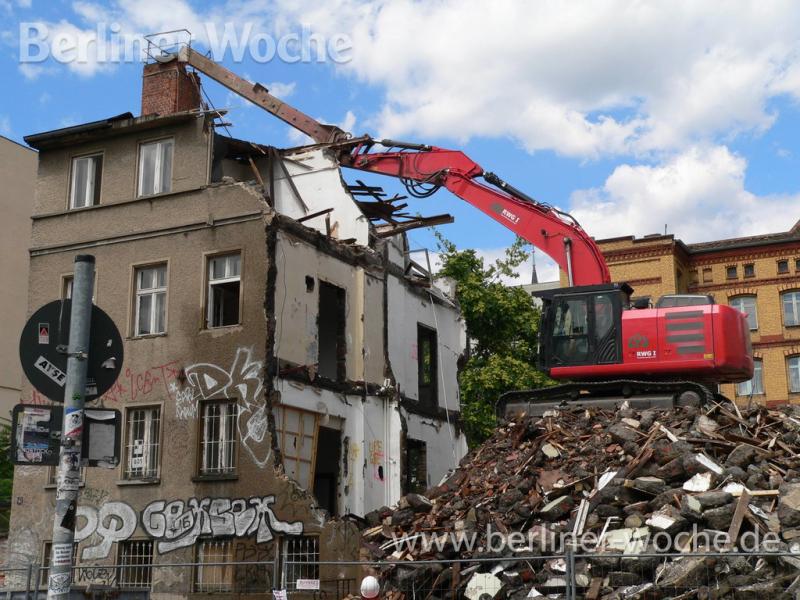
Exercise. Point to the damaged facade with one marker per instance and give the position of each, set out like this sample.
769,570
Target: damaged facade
284,360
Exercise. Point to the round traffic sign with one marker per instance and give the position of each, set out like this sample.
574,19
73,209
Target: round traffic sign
43,351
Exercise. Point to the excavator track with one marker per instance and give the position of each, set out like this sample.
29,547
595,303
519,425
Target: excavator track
639,394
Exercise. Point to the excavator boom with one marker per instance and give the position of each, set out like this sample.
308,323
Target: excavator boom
552,231
260,96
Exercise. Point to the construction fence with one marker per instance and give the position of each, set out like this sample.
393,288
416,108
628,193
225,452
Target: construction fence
568,576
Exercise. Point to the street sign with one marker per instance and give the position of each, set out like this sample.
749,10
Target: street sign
36,435
43,351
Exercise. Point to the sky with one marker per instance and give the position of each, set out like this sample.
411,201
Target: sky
636,117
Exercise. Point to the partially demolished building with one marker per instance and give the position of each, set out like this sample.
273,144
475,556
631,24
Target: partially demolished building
285,359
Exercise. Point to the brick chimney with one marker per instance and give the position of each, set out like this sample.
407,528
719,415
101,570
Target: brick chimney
167,88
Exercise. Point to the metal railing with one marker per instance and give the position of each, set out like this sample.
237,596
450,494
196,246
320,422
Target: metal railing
137,581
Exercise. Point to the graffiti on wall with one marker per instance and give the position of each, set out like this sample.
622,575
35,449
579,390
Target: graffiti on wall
376,459
242,380
178,523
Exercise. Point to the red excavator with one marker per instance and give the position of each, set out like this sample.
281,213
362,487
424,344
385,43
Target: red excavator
591,335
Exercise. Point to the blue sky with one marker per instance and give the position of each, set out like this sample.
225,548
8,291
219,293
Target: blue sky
632,116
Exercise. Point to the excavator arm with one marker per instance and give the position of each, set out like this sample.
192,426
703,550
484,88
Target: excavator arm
260,96
423,169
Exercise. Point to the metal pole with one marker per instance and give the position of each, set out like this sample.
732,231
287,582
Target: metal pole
69,461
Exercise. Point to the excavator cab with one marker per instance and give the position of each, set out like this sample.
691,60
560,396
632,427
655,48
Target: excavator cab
582,325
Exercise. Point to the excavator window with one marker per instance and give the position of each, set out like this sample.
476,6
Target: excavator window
581,329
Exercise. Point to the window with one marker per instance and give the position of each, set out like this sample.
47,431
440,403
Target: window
224,279
755,386
85,181
747,305
694,277
750,270
793,364
52,475
46,551
416,467
151,300
783,266
213,572
331,327
791,308
327,468
66,287
707,275
155,167
299,560
427,349
297,432
142,443
218,439
134,559
797,264
730,272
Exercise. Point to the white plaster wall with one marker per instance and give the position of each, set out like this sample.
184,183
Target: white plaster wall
297,309
318,179
445,446
373,428
405,310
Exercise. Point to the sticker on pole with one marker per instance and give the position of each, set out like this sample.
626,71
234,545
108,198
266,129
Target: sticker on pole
43,351
59,583
62,555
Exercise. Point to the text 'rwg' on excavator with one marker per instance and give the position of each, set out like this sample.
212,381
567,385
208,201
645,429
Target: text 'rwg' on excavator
591,336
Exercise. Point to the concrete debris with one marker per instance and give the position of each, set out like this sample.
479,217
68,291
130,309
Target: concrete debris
624,477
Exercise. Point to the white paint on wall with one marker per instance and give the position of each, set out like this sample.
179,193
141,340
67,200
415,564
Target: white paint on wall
317,178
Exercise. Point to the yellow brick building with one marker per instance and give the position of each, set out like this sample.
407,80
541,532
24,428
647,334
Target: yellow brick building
758,274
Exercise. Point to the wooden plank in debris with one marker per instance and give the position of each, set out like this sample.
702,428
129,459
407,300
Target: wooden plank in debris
738,515
593,593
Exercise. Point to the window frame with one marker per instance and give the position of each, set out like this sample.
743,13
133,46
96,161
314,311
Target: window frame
208,257
288,552
124,476
226,567
140,166
135,568
202,471
137,268
751,267
98,184
778,264
729,269
710,272
755,308
433,334
793,363
795,307
756,370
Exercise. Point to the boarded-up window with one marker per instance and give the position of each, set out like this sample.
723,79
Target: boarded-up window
297,439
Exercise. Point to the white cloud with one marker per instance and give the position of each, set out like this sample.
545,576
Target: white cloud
585,79
281,89
5,125
698,194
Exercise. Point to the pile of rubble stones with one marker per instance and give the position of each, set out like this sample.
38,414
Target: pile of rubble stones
686,503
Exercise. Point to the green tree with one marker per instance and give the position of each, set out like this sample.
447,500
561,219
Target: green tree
502,327
6,476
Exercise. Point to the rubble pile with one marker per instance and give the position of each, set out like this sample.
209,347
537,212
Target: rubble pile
645,495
